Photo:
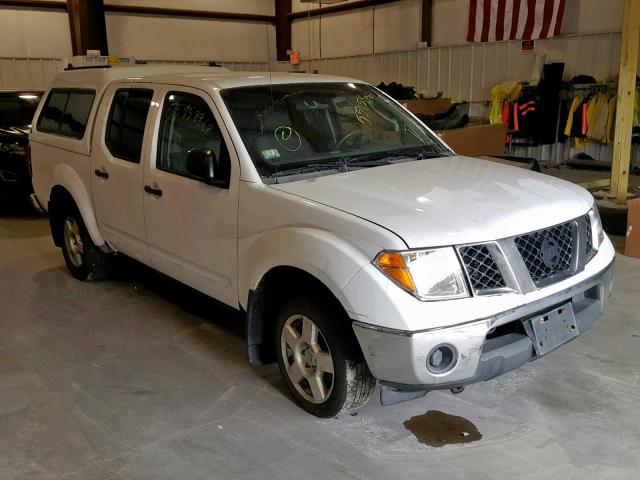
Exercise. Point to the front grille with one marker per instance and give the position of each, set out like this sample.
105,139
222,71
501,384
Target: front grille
483,272
588,244
548,253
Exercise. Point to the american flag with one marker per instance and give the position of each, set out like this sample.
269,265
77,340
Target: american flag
494,20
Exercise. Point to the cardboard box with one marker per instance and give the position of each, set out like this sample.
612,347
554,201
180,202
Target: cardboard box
632,243
430,106
476,140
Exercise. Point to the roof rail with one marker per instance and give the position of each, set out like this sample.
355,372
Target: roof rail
71,67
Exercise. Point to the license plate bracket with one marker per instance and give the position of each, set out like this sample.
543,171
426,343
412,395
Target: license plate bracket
552,329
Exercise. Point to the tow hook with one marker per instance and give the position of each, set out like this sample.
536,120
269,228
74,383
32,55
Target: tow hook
457,390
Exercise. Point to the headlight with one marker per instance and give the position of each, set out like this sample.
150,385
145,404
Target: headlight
596,227
432,274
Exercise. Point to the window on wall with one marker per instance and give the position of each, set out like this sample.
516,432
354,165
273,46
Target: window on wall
126,123
66,112
188,123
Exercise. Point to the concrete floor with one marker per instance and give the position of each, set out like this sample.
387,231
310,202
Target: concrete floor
140,378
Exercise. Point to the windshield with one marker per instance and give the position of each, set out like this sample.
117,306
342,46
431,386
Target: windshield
17,109
306,128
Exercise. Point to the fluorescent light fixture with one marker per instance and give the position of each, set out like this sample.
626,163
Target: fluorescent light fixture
28,96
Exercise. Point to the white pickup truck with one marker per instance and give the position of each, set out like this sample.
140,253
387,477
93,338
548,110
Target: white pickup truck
362,249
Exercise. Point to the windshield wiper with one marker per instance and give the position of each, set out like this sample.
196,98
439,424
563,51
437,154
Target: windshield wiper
366,160
376,158
310,168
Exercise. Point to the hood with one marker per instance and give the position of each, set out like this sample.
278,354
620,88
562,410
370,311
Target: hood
448,201
15,134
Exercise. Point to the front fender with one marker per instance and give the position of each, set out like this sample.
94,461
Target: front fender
332,260
65,176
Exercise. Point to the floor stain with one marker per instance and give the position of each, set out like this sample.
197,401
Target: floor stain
438,429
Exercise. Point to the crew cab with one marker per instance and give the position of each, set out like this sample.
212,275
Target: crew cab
362,249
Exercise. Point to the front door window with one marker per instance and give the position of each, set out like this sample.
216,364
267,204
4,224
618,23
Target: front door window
188,123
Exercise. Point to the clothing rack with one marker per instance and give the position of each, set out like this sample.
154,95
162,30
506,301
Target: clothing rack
568,91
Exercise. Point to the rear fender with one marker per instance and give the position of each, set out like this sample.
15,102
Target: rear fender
66,177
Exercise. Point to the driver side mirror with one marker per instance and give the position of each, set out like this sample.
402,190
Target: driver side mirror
201,164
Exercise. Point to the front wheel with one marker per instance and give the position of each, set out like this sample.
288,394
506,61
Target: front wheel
84,260
320,361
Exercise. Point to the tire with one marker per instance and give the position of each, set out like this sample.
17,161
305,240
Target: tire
84,260
312,339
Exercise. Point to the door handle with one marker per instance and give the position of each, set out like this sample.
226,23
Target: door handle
153,191
101,173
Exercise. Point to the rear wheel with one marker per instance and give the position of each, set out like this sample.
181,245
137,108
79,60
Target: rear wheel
320,360
84,260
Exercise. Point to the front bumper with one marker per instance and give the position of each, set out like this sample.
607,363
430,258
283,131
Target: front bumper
398,358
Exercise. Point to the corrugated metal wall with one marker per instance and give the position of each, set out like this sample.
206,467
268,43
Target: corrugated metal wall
37,73
469,71
28,73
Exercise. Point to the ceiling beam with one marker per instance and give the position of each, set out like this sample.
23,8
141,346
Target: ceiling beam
340,7
87,26
178,12
427,11
34,4
136,10
283,29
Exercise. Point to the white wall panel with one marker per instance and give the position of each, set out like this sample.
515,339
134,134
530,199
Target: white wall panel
397,27
469,71
155,37
28,73
37,73
34,33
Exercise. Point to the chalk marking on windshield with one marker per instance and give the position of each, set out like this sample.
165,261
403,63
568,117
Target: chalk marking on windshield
288,138
361,108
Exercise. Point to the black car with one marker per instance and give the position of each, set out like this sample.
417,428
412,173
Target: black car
16,113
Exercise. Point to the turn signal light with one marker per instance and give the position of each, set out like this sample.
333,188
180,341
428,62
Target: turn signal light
394,266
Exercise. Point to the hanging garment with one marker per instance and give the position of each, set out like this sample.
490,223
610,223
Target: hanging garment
598,125
508,91
579,124
529,121
581,127
577,101
506,113
549,106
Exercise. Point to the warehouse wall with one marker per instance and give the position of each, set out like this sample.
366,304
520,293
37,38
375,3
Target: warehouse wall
45,33
469,71
152,37
581,16
34,33
398,26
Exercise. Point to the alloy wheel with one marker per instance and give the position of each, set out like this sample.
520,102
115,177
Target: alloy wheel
73,242
307,359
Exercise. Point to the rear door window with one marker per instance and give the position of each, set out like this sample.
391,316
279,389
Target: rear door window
66,112
126,123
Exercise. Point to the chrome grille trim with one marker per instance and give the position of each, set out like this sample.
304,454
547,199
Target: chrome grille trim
515,264
549,253
482,270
